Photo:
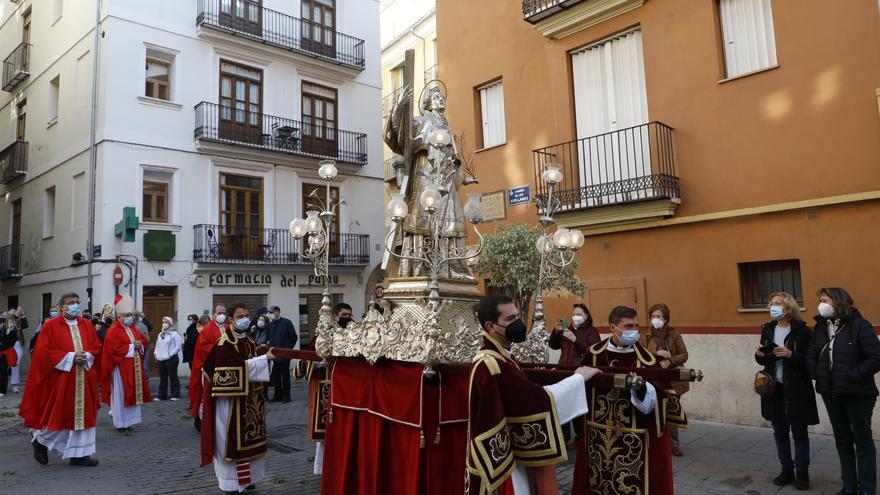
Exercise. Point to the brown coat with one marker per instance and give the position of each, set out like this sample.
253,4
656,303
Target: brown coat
672,343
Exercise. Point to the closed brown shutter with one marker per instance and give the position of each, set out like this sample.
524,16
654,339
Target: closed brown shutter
253,301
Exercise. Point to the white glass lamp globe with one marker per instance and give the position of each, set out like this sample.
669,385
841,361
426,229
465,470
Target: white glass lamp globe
439,137
396,209
552,174
576,237
327,169
561,238
313,223
544,244
473,209
298,228
430,198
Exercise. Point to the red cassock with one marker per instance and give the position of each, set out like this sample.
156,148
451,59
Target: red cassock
116,345
513,421
58,400
620,449
206,341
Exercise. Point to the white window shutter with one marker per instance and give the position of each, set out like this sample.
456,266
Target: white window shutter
747,35
492,110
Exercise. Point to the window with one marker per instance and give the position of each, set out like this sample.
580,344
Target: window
241,99
241,216
47,303
155,202
492,109
319,26
49,212
157,80
54,89
319,117
57,9
759,279
21,122
26,37
747,36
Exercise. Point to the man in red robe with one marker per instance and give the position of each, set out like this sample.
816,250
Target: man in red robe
514,428
233,433
124,385
625,446
204,343
60,403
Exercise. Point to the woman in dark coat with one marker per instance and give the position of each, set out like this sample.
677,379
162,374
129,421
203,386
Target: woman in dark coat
844,357
189,341
785,343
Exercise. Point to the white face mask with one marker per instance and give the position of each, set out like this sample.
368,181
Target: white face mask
261,323
221,318
658,323
166,326
826,310
578,320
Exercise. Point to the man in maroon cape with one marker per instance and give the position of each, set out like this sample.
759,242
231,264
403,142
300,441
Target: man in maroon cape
233,432
60,403
625,447
514,428
124,385
204,343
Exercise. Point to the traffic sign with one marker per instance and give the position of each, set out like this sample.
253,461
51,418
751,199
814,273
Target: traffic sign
117,275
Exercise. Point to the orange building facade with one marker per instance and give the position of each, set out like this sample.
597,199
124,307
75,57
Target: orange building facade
712,153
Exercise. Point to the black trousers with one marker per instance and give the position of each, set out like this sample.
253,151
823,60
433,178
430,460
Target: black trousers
4,374
781,428
281,379
851,421
168,372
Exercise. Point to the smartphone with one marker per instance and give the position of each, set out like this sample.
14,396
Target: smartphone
563,323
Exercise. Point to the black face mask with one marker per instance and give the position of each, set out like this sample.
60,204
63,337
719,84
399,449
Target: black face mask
515,331
345,320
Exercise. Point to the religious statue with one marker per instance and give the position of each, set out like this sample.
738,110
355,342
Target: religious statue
430,164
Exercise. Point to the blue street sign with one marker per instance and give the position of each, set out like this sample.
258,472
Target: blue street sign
96,251
161,272
519,195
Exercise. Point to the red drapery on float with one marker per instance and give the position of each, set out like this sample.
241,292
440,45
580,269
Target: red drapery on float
393,432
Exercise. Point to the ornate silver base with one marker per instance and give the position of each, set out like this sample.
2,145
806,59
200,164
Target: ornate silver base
413,328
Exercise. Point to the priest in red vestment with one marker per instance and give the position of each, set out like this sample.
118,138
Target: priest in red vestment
514,429
233,432
206,341
124,385
625,447
60,403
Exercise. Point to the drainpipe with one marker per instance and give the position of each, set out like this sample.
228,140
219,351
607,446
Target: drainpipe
93,151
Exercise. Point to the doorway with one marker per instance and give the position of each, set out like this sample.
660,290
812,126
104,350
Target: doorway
158,302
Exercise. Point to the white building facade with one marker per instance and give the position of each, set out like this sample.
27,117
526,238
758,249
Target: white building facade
212,117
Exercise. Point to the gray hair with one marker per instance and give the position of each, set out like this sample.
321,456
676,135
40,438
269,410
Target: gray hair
204,320
62,301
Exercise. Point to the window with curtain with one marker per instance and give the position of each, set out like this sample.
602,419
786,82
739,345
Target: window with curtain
492,109
747,36
759,279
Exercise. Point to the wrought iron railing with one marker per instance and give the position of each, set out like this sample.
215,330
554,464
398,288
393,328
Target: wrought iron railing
225,244
535,10
13,161
256,130
624,166
252,20
430,73
16,67
388,101
10,261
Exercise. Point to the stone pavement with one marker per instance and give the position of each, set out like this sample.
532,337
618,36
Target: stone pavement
160,456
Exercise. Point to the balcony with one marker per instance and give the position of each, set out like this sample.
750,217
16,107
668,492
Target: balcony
389,100
632,166
560,18
253,21
215,123
249,246
15,67
13,161
10,261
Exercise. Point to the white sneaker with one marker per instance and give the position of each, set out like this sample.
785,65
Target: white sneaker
2,396
174,399
156,399
15,389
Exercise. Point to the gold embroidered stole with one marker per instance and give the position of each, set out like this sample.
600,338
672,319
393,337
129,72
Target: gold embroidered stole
79,396
138,376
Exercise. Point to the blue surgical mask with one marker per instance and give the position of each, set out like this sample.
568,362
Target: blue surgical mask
53,314
73,309
777,312
242,323
629,337
128,321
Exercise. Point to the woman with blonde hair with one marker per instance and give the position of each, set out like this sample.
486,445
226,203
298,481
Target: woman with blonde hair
785,343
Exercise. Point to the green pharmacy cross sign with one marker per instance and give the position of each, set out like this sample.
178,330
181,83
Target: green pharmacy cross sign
128,226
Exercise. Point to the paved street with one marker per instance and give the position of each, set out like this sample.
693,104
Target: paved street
161,456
